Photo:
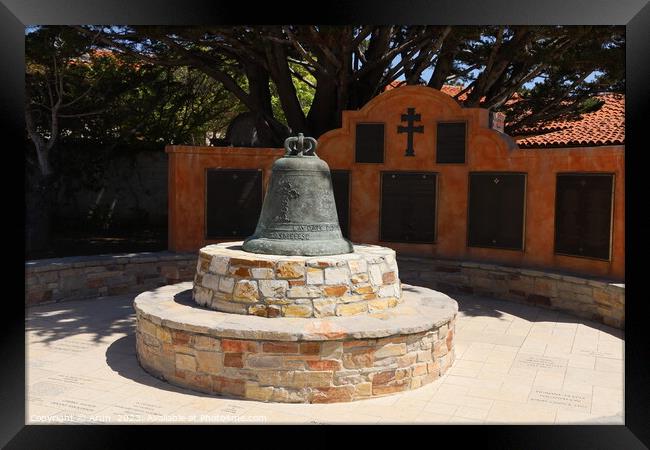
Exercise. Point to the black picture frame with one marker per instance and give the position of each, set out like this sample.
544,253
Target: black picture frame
634,14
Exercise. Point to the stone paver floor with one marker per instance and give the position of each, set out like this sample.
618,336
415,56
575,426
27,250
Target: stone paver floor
514,364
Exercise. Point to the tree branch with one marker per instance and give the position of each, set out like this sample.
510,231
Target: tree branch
303,52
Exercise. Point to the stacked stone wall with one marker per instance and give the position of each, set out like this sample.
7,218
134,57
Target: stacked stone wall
295,371
594,299
52,280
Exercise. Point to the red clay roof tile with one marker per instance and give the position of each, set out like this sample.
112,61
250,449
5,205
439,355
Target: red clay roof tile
606,126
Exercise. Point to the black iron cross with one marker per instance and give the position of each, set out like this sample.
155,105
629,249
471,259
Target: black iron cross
410,118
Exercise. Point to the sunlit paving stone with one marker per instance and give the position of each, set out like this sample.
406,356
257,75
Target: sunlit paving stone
90,375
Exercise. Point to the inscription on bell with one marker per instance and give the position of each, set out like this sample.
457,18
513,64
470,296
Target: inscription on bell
285,235
317,227
299,211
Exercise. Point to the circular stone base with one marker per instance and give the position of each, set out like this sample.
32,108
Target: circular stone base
333,359
231,280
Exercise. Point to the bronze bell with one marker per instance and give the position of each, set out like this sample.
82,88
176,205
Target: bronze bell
299,214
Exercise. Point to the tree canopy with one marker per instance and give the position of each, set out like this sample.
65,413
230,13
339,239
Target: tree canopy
343,67
79,93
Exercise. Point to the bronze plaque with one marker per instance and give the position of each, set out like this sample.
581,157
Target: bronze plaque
341,187
583,214
369,143
450,145
233,202
408,207
496,210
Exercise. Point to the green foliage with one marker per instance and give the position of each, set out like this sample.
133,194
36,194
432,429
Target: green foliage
115,104
304,84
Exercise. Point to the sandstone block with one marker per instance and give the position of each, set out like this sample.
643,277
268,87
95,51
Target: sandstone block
439,349
180,337
390,350
226,284
310,348
273,288
387,291
219,265
360,278
238,346
420,369
209,362
290,269
546,287
233,360
185,362
241,272
363,289
246,291
273,311
146,326
206,343
335,290
389,277
262,273
265,361
226,385
254,391
363,389
358,266
275,377
395,386
350,309
312,379
383,377
377,305
315,275
333,394
202,296
449,339
251,262
280,347
406,360
228,306
375,275
358,358
323,364
258,310
290,395
297,310
331,350
303,292
324,307
163,335
337,275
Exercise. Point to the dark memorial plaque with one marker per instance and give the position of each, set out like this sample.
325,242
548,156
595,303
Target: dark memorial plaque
233,202
583,215
496,210
369,143
341,187
408,207
450,145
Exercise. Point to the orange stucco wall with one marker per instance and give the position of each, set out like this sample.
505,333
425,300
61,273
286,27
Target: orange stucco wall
487,150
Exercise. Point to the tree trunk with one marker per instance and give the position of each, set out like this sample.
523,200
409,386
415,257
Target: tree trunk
323,114
445,62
